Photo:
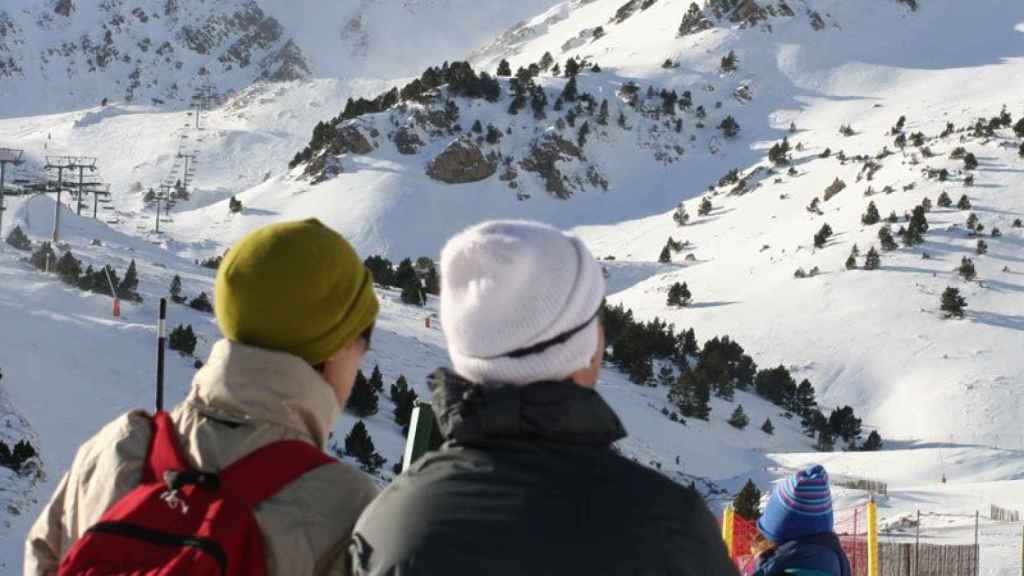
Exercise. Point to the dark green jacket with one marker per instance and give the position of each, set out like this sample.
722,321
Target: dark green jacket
527,482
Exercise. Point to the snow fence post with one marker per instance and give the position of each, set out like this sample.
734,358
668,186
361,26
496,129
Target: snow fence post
872,538
728,526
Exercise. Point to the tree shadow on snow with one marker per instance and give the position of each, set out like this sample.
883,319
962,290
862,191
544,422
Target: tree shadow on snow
1009,321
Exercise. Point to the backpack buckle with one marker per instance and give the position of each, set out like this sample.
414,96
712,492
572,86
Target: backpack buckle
178,479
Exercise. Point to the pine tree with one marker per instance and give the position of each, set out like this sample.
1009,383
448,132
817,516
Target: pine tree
826,441
739,418
201,303
69,269
680,216
970,161
602,115
359,445
705,207
570,92
917,228
886,238
666,255
183,339
872,216
691,394
953,303
873,261
175,290
693,21
747,503
729,127
43,258
504,69
982,247
729,62
964,203
377,380
546,61
581,136
851,262
944,200
128,288
778,154
18,240
768,428
821,238
234,205
404,399
666,376
572,68
363,399
679,295
926,203
873,443
967,269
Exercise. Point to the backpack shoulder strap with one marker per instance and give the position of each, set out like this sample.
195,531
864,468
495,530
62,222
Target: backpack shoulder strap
164,450
265,472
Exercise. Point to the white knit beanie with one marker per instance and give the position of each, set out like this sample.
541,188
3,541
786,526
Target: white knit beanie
519,303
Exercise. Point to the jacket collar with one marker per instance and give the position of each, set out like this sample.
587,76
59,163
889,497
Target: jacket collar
244,384
559,412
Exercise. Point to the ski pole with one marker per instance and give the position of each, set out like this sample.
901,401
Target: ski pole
161,337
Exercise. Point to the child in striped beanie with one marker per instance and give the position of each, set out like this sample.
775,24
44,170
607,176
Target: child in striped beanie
798,524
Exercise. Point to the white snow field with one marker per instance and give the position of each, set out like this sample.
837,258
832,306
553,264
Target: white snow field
944,393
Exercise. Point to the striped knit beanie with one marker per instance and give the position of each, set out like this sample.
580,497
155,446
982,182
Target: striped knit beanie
800,506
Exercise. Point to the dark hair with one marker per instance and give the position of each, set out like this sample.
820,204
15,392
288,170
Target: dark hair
365,335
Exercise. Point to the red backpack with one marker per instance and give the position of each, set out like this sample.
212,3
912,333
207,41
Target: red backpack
182,521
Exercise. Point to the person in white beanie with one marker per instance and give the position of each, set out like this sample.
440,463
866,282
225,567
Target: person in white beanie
527,480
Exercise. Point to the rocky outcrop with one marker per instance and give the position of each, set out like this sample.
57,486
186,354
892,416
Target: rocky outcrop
462,162
285,65
350,140
407,141
324,167
543,159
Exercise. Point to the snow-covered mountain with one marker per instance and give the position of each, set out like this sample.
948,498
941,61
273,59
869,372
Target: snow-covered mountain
400,173
61,55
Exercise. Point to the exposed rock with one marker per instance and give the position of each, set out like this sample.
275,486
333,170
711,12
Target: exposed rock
286,65
462,161
64,8
324,167
509,173
835,188
350,140
544,156
407,140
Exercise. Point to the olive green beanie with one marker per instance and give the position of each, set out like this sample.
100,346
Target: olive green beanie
297,287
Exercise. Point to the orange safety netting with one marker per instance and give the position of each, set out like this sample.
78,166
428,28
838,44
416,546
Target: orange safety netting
851,525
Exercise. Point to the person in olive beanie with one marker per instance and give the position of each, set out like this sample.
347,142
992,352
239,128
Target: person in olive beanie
527,480
296,307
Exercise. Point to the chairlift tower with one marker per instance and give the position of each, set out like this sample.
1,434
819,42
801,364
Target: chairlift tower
8,156
60,164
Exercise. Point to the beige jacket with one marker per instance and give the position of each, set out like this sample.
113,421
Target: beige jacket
243,399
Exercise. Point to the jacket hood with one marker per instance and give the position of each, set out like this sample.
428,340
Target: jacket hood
242,383
559,412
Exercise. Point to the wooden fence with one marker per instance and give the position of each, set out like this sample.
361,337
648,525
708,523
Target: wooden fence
871,486
1003,515
910,559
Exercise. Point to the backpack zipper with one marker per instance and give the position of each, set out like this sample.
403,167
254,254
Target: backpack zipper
205,545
